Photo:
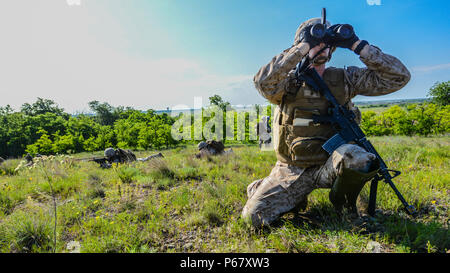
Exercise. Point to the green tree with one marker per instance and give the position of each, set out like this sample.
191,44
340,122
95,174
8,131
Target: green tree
90,145
106,137
440,93
105,114
14,133
82,125
43,145
42,106
50,122
217,100
63,144
127,133
442,120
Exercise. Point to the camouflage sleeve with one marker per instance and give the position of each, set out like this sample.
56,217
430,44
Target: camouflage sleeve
272,78
384,74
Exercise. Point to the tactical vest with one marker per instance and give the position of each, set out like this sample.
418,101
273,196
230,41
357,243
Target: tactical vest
297,140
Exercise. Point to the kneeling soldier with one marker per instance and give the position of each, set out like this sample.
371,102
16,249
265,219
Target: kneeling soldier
302,164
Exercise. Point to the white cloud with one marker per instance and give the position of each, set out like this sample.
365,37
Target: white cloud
431,68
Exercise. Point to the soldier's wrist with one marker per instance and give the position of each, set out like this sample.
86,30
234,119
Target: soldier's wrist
359,45
355,45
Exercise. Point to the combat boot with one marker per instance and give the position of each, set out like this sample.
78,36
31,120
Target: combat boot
301,206
348,185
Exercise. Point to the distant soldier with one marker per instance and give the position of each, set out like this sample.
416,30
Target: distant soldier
210,147
263,128
29,158
119,155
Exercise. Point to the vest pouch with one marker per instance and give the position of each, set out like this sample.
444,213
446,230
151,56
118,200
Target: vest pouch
308,151
280,141
301,115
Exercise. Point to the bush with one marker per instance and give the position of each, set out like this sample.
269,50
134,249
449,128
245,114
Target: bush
6,204
160,169
43,145
33,235
212,213
127,174
164,183
416,119
9,167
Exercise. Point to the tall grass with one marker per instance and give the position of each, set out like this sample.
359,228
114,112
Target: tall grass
180,203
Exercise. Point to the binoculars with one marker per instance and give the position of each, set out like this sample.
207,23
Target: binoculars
321,32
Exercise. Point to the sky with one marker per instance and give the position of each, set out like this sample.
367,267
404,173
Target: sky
154,54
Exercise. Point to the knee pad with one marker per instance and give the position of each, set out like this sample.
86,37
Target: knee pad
355,168
350,156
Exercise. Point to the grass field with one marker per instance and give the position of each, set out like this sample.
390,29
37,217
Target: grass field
183,204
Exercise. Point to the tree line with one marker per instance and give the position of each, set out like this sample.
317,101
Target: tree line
43,127
414,119
427,118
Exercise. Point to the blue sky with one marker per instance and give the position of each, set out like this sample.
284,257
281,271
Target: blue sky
158,54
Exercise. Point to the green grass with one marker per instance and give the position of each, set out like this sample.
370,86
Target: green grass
183,204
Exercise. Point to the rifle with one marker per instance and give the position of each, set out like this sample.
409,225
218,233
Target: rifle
343,121
99,160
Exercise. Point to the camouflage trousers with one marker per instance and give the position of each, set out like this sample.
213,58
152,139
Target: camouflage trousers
288,186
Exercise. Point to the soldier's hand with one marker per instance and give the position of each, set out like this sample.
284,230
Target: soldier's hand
336,41
306,37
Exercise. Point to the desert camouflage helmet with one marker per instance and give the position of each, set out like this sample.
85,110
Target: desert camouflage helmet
309,22
109,152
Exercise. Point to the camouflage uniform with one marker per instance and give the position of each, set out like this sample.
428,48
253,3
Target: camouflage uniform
210,147
119,155
288,184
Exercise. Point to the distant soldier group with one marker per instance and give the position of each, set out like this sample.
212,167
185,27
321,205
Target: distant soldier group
206,148
119,156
